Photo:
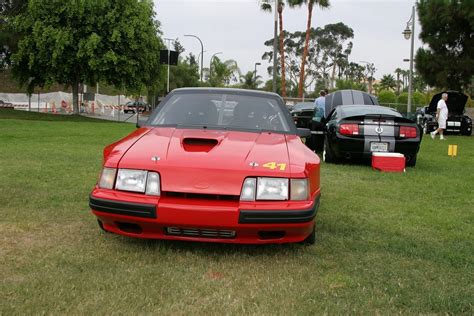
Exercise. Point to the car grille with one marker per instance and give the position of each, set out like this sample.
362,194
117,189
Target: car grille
195,232
199,196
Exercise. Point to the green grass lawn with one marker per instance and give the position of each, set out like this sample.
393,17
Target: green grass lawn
387,243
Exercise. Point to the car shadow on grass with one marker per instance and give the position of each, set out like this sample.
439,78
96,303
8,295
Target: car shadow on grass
211,248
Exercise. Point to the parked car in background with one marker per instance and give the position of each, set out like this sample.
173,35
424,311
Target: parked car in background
302,114
134,106
457,123
356,131
217,165
332,100
5,104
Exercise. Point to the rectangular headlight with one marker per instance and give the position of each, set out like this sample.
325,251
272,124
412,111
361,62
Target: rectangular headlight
107,178
299,189
153,184
272,189
248,190
131,180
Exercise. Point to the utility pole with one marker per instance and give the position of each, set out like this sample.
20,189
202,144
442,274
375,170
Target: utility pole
275,44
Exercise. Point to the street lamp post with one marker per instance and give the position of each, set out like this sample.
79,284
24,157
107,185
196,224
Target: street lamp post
407,33
202,50
210,63
255,72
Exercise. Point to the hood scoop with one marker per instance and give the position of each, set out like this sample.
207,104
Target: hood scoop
192,144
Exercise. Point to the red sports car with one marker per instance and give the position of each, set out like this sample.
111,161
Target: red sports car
215,165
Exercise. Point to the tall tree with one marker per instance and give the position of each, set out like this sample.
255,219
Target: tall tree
184,74
266,6
332,40
8,36
250,81
222,73
398,72
387,82
447,28
70,42
310,4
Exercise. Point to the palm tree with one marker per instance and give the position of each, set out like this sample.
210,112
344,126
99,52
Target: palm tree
249,81
387,82
310,3
222,72
266,6
405,75
398,71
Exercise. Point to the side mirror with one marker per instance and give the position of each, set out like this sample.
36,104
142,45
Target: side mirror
304,132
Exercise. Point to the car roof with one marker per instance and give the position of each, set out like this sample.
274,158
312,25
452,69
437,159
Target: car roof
348,97
226,90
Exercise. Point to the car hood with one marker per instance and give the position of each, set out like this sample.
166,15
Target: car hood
456,102
208,161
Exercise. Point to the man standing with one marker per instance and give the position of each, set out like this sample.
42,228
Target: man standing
320,103
441,116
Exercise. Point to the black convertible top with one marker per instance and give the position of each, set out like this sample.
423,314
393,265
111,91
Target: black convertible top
348,97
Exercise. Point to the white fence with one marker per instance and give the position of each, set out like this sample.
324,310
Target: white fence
61,102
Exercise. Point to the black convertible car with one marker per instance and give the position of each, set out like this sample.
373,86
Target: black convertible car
457,123
356,131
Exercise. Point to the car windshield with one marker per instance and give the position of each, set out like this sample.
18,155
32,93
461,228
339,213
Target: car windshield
305,106
226,111
347,111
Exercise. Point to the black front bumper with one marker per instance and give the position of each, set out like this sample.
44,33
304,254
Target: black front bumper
123,208
278,217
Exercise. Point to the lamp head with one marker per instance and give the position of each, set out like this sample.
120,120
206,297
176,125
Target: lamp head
407,33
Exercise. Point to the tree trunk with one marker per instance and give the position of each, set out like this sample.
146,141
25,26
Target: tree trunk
305,51
398,83
282,51
333,75
75,97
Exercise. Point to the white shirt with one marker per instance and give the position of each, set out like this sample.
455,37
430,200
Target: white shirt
443,110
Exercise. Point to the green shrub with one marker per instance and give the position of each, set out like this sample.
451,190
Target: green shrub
403,98
420,99
386,96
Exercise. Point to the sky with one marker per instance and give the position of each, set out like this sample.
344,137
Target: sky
238,29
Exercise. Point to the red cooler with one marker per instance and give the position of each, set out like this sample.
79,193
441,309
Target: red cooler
388,162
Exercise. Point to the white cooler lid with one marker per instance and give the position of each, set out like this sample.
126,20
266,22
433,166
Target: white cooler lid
381,154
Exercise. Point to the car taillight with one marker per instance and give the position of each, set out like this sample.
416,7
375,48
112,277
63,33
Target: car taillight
349,129
407,131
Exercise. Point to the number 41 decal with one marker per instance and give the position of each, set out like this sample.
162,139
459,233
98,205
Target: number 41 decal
273,165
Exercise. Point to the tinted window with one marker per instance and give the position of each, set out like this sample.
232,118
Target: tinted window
347,111
230,111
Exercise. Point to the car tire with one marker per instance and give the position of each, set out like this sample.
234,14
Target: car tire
311,239
328,155
412,161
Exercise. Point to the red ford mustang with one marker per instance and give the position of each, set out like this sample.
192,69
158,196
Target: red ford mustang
216,165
